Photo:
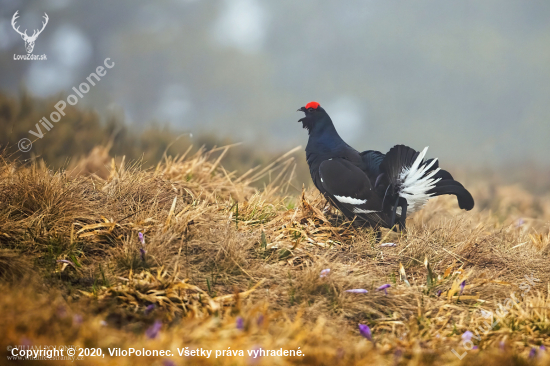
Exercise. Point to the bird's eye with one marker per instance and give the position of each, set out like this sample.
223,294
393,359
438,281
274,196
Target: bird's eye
310,109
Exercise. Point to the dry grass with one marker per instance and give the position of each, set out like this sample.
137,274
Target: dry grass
219,252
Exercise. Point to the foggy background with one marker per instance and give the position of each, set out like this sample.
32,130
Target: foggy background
471,79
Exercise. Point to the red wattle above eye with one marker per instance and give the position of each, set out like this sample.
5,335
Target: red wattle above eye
313,105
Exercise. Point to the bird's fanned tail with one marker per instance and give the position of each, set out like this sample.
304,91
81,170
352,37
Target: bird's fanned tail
416,180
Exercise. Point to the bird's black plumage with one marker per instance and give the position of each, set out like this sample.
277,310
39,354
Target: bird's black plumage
375,188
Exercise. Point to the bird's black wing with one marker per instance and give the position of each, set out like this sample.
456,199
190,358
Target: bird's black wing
371,162
350,190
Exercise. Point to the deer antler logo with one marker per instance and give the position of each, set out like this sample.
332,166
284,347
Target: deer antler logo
29,41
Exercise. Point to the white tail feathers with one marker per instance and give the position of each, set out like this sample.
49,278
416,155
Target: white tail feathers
415,183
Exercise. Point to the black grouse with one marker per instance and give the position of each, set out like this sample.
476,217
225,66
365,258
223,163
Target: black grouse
371,187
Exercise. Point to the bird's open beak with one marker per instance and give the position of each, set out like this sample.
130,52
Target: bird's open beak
302,109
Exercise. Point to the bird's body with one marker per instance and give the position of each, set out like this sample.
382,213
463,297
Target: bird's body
371,187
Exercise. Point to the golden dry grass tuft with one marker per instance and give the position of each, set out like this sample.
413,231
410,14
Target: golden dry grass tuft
225,265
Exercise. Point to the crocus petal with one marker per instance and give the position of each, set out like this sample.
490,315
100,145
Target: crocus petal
325,272
149,308
438,293
153,330
533,352
365,331
397,354
462,285
542,348
475,347
240,323
61,311
141,238
384,287
65,261
467,336
142,253
357,291
255,357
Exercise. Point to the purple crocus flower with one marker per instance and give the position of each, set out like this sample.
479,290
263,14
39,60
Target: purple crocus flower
66,261
467,336
168,363
462,285
502,345
438,293
77,319
240,323
61,311
365,331
357,291
142,253
325,273
397,355
542,348
149,309
142,249
475,347
533,352
384,287
254,359
260,320
153,330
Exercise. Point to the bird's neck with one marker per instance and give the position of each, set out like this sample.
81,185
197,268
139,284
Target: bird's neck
325,139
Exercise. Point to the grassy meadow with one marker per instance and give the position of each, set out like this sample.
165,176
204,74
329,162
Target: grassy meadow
248,260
